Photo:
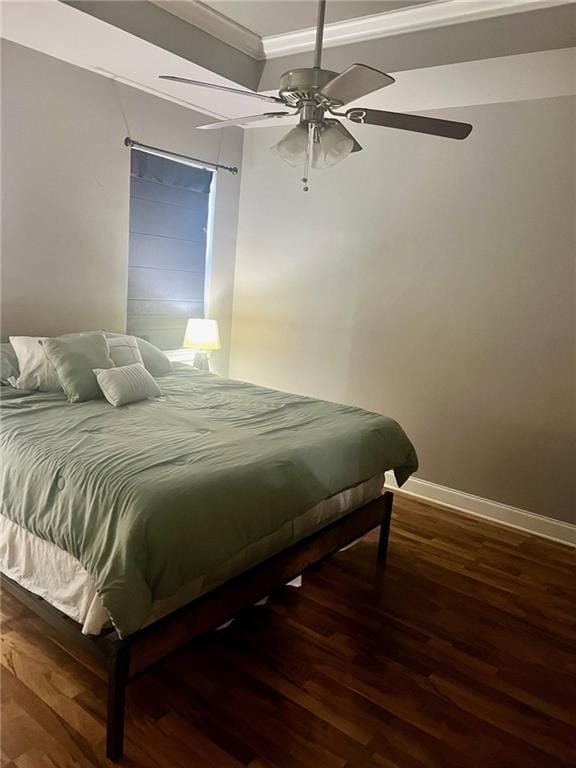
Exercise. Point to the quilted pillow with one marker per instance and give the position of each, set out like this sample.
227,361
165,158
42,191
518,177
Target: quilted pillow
153,358
126,384
124,350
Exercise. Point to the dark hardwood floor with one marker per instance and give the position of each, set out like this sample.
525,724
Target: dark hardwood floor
460,653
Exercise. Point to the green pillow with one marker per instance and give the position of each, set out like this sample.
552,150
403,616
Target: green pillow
8,364
74,357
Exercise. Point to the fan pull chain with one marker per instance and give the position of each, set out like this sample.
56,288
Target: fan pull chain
309,152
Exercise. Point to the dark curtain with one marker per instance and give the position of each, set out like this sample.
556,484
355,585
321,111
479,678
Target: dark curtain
167,258
170,172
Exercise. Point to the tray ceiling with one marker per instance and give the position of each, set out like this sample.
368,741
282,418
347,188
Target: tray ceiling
276,17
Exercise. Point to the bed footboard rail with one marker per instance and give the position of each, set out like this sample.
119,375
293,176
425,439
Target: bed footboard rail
129,658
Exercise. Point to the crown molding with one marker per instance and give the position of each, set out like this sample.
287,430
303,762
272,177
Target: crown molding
440,13
437,14
215,24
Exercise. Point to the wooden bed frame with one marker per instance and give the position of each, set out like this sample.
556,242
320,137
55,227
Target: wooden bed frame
129,658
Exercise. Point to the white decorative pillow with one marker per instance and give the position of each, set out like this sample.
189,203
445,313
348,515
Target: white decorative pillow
36,371
124,350
126,384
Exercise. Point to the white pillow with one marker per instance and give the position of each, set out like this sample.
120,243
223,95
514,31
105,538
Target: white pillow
126,384
124,350
36,371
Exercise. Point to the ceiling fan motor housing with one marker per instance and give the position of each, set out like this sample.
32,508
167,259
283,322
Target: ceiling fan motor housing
301,85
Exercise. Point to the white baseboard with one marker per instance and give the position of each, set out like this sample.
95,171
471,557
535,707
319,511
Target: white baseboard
559,531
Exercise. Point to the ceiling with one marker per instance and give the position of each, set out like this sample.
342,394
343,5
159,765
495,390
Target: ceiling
275,17
535,56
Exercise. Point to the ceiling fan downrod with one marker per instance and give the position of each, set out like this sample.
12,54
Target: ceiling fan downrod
319,34
311,119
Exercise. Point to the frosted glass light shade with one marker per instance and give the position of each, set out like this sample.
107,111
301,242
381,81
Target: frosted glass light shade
293,147
202,335
333,145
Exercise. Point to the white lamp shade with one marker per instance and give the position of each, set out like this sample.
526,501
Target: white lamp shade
202,334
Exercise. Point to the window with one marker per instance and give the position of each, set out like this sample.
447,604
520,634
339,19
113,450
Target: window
169,204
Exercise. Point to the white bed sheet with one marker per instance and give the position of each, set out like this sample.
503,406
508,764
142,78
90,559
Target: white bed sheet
59,578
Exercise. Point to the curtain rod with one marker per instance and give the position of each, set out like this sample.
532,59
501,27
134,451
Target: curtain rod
167,153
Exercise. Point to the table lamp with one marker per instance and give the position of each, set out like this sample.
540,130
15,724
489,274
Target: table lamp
202,336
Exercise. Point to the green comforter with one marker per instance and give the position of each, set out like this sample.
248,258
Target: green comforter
151,495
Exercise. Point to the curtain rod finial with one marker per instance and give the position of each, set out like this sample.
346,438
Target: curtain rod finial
128,141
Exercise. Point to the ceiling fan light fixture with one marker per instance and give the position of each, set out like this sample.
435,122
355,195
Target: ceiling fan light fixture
293,147
334,145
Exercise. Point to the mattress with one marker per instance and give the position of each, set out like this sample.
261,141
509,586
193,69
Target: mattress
59,578
153,497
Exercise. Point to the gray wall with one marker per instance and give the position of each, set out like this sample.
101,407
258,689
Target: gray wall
65,195
433,281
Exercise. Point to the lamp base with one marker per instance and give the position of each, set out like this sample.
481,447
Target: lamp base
202,361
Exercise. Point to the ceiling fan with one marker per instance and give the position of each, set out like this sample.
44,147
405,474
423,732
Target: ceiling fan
320,140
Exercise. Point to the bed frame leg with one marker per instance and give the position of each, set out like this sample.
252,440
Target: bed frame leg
118,672
385,529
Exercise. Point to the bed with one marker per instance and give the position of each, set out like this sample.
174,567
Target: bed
135,529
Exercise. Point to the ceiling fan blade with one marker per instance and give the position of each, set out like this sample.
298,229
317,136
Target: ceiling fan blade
418,123
356,81
244,120
237,91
